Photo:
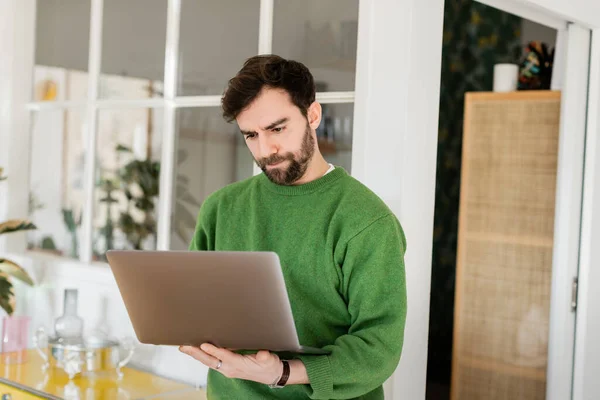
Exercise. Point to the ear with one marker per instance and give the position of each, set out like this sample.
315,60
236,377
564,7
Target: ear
313,115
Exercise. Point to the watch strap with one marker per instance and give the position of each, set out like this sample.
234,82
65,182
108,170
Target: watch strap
284,376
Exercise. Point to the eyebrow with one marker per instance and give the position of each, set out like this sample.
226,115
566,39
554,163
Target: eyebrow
269,127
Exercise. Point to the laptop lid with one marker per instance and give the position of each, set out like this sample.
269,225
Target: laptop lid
235,300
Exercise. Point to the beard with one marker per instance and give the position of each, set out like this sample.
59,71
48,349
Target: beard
298,163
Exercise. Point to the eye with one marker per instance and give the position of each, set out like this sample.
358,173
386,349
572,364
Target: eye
278,129
250,136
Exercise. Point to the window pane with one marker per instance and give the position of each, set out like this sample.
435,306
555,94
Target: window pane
61,52
211,154
320,34
56,193
133,46
211,48
335,134
127,178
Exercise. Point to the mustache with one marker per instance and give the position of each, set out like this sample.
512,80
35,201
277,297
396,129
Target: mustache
275,158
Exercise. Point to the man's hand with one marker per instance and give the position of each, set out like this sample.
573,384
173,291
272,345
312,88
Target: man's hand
263,367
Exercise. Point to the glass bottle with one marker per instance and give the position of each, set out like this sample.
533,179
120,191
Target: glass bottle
69,325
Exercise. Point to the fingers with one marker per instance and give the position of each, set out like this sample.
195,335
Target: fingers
263,356
219,353
203,357
261,367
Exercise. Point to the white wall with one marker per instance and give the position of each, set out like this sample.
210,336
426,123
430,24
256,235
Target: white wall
397,160
46,184
586,12
533,31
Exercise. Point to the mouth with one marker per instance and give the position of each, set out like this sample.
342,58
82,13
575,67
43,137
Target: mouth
276,164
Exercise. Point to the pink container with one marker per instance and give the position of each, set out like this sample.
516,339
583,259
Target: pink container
15,335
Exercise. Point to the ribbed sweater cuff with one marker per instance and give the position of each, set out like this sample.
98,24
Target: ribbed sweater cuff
319,372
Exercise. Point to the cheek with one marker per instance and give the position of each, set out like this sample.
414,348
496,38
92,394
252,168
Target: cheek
253,147
291,143
255,150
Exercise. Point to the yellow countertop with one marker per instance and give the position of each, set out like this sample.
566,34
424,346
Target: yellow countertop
54,383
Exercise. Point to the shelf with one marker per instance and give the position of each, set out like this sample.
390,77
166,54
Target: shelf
509,239
534,373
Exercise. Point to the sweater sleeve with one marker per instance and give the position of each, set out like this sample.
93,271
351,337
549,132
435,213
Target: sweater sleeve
374,287
203,238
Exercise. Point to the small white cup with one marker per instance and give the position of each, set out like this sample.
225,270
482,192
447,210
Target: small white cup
506,77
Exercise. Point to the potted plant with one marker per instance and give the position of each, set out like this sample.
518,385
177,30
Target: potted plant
139,181
14,329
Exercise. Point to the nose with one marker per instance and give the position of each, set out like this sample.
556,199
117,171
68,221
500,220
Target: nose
266,146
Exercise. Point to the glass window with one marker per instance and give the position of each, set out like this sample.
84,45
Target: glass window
61,52
216,37
133,46
322,35
334,134
211,154
56,191
127,179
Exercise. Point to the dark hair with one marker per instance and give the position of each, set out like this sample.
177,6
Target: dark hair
271,71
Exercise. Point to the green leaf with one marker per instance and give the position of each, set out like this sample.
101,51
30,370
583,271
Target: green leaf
5,295
68,219
48,243
15,225
10,268
122,148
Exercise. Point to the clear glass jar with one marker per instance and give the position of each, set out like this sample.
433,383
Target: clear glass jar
69,325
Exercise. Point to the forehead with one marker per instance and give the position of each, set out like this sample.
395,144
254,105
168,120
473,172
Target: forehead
270,105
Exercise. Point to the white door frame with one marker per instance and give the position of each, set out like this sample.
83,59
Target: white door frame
567,226
586,384
395,146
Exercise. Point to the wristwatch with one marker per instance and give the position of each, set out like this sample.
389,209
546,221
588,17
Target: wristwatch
280,382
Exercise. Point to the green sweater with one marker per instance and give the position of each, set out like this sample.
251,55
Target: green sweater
342,255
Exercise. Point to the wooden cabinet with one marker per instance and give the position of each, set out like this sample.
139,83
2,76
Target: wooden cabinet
505,240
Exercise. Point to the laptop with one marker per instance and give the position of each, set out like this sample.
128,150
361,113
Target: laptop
234,300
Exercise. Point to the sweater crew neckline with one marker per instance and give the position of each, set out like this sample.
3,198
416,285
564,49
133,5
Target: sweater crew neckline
306,188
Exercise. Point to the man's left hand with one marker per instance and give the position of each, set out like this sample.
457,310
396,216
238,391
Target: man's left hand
263,367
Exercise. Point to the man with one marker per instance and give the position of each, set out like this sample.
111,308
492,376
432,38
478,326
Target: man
341,248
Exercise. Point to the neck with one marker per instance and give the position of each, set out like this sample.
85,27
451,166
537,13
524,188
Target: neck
316,169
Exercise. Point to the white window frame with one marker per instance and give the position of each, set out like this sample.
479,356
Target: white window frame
169,103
